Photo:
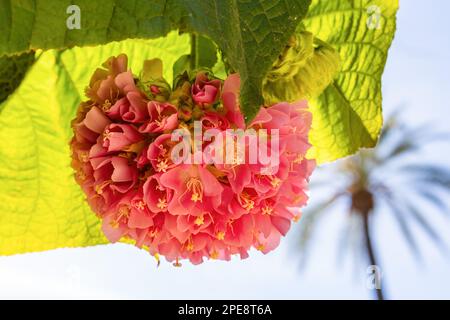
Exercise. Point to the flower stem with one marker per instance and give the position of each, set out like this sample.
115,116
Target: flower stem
193,55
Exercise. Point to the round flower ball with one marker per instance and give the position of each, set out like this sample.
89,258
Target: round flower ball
128,138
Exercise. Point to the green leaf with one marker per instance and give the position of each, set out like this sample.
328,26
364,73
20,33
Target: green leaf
203,55
219,69
203,52
12,71
347,116
302,71
251,34
41,206
181,65
32,24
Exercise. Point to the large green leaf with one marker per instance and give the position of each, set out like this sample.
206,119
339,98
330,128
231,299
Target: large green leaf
12,71
33,24
347,116
250,34
203,52
41,206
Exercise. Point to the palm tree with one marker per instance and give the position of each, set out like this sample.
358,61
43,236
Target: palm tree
384,178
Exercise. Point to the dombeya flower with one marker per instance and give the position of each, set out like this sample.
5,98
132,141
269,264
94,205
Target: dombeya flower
214,204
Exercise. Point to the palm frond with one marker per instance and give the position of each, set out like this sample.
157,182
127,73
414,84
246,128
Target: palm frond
344,241
433,198
403,224
350,238
409,140
430,174
425,225
424,134
401,148
309,221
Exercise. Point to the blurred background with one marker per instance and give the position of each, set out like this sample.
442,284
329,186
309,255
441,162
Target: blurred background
389,207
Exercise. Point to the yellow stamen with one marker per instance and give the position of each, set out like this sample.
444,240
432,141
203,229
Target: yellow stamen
163,150
126,155
199,221
177,263
158,187
214,255
267,210
162,165
99,188
275,182
190,246
106,135
106,105
158,261
84,156
124,211
162,203
260,247
153,233
195,186
81,175
299,158
247,203
139,205
114,224
220,235
195,197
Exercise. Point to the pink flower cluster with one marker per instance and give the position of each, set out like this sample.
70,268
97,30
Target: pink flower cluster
121,155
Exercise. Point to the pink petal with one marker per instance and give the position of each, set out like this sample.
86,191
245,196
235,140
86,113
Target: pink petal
123,172
96,120
140,219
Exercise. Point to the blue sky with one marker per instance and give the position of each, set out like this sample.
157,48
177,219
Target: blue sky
417,80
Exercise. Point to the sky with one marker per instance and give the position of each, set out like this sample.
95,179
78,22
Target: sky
416,80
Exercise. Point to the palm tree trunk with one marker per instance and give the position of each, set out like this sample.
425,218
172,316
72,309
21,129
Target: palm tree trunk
370,252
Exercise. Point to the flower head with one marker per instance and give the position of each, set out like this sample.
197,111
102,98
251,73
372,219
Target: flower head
214,206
